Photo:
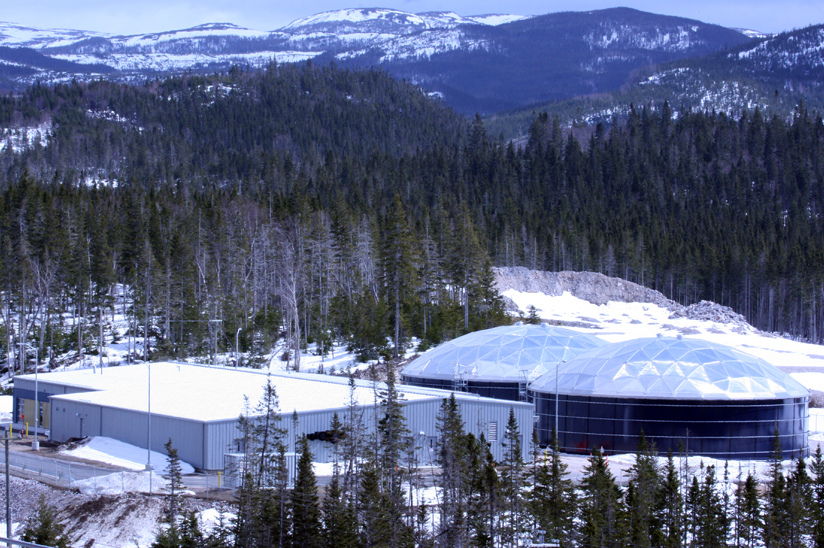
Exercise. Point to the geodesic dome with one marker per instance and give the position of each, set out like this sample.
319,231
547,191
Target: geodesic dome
494,361
683,393
671,368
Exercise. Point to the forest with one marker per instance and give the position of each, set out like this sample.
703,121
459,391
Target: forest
317,204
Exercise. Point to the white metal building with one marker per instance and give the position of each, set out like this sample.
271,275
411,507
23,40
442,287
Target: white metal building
198,408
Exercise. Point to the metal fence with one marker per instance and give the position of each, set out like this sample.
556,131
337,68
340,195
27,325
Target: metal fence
59,472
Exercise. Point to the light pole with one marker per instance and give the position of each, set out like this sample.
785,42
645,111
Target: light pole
35,445
237,347
557,435
8,501
149,434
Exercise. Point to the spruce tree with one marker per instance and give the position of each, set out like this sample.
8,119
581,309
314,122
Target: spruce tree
602,507
672,503
552,500
453,479
175,482
643,502
399,273
512,485
799,505
44,528
306,515
817,505
775,526
750,524
392,444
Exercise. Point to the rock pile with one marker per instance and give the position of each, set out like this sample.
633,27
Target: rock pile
709,311
589,286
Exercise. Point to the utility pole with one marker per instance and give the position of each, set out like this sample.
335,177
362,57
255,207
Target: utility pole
35,445
8,500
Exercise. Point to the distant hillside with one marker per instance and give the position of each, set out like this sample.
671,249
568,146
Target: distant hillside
476,63
552,56
772,74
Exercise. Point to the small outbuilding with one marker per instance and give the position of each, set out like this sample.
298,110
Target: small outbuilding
498,362
685,394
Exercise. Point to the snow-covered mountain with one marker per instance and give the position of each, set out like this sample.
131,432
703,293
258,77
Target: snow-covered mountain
218,45
481,62
773,74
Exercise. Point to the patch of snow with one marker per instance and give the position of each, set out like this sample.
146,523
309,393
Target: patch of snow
118,453
497,19
22,138
626,321
122,482
172,62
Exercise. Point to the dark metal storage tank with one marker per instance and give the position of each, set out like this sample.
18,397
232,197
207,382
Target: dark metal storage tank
497,362
708,398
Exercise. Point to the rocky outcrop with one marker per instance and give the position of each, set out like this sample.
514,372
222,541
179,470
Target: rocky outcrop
589,286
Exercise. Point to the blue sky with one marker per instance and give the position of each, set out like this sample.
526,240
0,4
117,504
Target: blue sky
141,16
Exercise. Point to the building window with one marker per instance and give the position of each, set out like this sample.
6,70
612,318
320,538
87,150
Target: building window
493,431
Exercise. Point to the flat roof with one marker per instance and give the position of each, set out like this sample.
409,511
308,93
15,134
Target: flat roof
203,393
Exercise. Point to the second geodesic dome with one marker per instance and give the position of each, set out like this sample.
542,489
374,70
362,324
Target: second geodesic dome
708,398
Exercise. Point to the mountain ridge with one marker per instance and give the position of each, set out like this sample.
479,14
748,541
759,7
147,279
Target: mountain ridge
482,63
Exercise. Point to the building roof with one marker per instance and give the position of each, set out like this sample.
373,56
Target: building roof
670,368
215,393
501,353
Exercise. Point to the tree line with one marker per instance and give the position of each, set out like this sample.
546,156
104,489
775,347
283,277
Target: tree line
245,173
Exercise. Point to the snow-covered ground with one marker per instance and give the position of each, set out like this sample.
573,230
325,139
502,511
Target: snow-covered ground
118,453
616,321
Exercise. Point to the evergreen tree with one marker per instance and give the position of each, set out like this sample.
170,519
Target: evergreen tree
749,522
453,479
483,493
398,267
512,485
643,502
175,474
306,515
709,517
672,503
817,505
393,444
44,528
602,507
552,501
339,517
799,505
776,526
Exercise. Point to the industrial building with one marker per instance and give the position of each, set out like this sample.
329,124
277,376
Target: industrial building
498,362
707,398
198,408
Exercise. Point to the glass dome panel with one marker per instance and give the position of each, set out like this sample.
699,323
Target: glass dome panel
686,369
501,353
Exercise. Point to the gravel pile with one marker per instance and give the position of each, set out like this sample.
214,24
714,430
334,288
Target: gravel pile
709,311
589,286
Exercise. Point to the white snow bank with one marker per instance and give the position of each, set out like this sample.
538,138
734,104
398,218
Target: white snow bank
813,381
121,454
122,482
6,407
211,518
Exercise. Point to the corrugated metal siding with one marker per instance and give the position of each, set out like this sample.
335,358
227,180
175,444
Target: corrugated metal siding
204,444
65,420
